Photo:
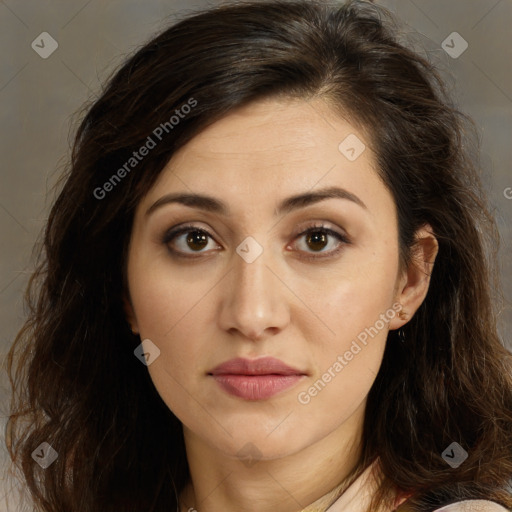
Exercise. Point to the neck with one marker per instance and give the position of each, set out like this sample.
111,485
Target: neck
363,482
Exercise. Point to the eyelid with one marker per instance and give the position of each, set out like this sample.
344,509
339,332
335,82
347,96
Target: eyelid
321,226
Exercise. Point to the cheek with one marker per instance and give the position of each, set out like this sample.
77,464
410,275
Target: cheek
353,309
354,295
352,324
171,310
346,359
163,298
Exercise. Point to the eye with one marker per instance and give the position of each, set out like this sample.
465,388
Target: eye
317,238
187,237
186,240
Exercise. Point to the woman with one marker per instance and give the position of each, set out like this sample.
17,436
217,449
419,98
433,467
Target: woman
265,283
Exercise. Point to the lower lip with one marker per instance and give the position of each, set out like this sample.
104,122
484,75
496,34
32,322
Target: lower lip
256,387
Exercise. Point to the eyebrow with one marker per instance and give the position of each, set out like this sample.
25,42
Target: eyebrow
214,205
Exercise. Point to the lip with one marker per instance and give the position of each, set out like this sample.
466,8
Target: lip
261,366
256,379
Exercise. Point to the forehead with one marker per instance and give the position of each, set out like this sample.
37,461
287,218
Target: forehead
273,148
273,132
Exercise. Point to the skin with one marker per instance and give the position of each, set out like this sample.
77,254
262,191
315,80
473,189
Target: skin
203,311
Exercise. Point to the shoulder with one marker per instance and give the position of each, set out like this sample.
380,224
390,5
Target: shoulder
473,506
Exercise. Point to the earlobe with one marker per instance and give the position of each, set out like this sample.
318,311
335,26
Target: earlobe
130,315
415,281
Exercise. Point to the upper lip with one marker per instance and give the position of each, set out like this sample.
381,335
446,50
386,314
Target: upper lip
262,366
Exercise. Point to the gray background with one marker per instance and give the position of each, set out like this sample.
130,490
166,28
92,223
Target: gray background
38,98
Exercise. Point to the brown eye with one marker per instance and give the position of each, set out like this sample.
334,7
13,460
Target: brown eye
187,240
316,240
197,240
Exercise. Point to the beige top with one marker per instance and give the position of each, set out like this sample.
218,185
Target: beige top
473,506
357,498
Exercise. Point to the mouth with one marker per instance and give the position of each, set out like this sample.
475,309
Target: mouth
256,379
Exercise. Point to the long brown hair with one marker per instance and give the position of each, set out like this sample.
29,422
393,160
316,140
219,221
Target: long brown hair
76,382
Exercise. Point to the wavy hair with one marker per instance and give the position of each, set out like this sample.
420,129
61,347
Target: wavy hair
76,383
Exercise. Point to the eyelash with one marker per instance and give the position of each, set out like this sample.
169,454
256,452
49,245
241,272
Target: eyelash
170,235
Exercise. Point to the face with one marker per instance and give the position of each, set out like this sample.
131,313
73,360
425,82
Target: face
250,273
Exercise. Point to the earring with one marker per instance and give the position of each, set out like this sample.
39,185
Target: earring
403,316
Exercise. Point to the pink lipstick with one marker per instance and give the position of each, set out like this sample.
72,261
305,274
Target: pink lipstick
256,379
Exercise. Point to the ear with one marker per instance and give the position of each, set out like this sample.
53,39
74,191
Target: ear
130,314
413,283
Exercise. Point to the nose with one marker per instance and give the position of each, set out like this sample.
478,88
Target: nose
254,299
